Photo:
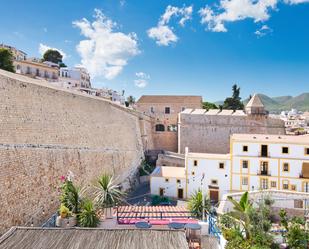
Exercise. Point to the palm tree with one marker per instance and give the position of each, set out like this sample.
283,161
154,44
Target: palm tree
107,192
196,204
241,212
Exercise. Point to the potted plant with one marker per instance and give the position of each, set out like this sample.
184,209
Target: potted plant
107,194
65,218
88,216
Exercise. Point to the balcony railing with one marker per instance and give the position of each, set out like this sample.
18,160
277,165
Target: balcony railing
262,154
264,172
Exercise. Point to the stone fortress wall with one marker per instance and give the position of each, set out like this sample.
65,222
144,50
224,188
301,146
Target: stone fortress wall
47,131
210,133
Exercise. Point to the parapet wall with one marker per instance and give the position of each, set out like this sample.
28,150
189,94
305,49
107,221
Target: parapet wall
211,133
47,131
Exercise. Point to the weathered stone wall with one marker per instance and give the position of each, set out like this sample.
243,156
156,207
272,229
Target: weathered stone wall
211,133
45,131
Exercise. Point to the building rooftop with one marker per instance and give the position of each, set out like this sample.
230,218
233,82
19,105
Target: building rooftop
91,238
303,139
169,171
219,112
158,99
209,156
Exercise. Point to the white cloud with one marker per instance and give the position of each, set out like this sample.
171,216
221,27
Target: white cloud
105,52
122,2
162,33
264,30
236,10
43,48
142,79
45,30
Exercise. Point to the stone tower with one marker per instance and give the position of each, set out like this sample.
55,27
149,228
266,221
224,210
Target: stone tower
255,106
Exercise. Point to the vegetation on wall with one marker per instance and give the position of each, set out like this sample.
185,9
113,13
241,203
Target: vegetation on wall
6,60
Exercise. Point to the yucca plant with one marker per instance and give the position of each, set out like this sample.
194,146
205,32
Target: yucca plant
88,216
70,196
196,204
107,192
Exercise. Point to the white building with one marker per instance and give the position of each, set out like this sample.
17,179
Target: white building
255,162
76,77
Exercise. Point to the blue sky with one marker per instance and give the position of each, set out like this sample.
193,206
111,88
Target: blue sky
191,47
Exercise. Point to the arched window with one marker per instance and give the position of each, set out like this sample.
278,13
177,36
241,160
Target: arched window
160,127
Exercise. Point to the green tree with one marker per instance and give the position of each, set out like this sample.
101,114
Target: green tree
6,60
53,56
131,100
234,102
208,105
196,204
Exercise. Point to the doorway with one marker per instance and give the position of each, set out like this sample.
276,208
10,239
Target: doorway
264,150
214,195
180,193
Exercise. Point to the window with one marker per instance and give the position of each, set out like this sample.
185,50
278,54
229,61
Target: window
286,167
152,109
178,181
245,164
183,108
214,182
245,148
285,150
167,110
166,180
293,187
307,151
193,173
264,183
221,165
244,181
160,127
273,184
195,162
298,204
172,128
285,185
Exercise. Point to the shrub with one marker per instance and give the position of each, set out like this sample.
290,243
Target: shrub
88,216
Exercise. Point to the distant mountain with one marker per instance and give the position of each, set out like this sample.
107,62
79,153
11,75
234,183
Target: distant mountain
282,103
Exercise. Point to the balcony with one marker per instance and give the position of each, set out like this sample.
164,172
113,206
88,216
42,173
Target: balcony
264,173
264,154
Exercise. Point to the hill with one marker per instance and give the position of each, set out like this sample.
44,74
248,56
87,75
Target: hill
282,103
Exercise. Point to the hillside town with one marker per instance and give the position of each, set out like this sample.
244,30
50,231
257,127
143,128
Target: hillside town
84,166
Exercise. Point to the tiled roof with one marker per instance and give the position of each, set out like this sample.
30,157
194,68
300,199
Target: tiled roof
170,99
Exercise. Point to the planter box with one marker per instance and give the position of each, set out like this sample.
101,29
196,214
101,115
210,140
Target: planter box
66,222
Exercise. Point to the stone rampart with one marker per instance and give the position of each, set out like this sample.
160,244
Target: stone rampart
47,131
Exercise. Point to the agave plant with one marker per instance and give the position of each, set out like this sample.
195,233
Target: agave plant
70,196
107,192
88,216
196,204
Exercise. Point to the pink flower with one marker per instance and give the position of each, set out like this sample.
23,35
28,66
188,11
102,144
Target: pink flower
62,178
